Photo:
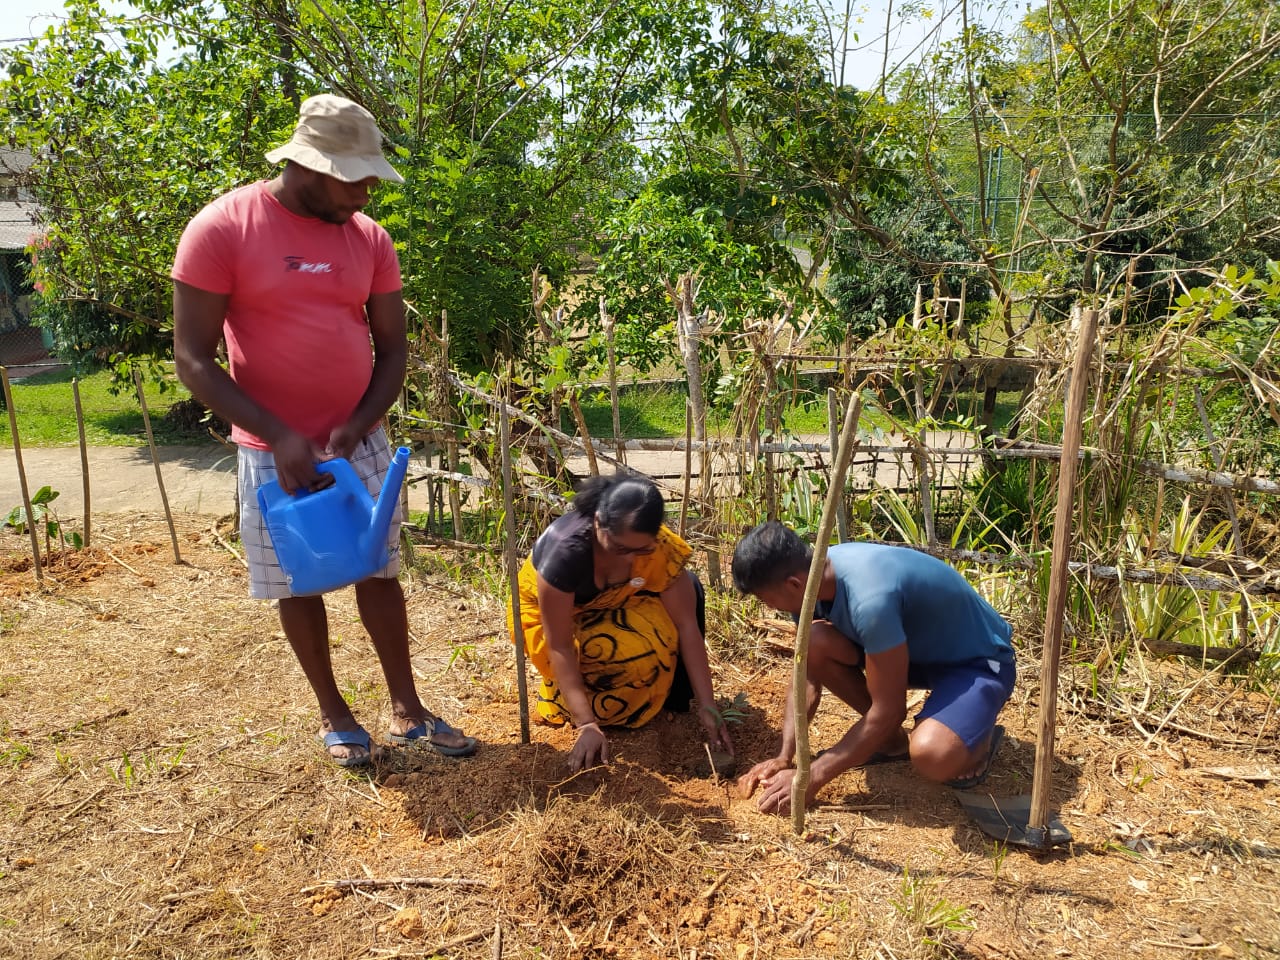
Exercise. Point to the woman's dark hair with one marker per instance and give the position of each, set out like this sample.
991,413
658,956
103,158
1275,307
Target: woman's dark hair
768,555
622,502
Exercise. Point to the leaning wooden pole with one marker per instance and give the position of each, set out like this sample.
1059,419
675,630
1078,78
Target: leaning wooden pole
84,460
580,419
835,493
22,474
606,322
1037,821
155,461
513,567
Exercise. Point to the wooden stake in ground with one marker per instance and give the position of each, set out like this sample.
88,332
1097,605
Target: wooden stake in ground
918,455
84,457
513,567
450,418
688,466
1037,822
799,677
22,474
155,460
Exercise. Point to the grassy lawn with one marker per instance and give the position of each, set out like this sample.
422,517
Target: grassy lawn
658,411
46,414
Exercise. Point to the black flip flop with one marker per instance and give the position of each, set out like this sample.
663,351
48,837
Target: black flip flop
979,778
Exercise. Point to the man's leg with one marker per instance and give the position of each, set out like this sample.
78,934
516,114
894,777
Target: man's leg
953,732
938,753
306,625
382,611
835,662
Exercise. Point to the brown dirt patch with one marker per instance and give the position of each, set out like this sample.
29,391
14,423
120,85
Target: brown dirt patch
164,796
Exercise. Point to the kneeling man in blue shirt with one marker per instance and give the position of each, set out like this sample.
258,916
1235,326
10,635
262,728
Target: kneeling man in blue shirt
887,619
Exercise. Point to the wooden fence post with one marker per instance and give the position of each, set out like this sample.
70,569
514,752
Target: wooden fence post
155,460
606,322
918,456
84,458
1037,822
833,410
513,566
22,474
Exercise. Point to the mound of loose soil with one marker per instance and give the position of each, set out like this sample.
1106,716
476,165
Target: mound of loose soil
189,417
164,796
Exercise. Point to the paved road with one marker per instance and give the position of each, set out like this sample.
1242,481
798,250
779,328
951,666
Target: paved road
201,479
197,479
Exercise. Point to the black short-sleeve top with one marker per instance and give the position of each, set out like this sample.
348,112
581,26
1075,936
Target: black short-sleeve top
564,556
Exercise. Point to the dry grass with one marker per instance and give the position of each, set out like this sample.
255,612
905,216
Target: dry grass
163,796
585,859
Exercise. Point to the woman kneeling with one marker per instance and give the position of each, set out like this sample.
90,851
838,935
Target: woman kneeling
613,621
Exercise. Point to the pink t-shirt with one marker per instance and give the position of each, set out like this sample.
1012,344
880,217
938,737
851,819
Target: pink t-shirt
296,330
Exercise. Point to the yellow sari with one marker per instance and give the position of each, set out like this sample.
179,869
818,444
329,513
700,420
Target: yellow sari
627,643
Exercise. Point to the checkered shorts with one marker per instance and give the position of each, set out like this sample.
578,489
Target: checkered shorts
370,459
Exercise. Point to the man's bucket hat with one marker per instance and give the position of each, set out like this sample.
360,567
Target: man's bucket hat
339,138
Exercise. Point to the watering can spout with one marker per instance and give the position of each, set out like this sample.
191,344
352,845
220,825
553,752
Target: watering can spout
384,510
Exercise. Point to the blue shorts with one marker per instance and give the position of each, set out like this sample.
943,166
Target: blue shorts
964,697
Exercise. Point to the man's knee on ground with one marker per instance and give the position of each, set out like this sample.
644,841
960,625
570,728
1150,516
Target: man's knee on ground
937,752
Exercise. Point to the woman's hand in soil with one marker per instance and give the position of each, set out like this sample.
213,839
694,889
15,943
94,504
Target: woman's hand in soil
760,773
590,748
717,732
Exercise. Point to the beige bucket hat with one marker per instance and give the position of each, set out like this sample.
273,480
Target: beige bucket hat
337,137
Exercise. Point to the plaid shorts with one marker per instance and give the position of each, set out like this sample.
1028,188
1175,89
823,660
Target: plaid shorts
370,459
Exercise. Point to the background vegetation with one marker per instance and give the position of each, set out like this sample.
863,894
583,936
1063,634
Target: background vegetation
697,188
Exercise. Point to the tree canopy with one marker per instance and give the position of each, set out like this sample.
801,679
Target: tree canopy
1101,144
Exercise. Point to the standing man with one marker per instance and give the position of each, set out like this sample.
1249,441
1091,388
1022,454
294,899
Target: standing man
887,618
306,290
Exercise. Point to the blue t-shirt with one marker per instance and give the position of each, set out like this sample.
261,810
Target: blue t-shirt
887,596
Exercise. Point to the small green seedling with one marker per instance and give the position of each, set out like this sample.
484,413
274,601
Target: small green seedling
43,513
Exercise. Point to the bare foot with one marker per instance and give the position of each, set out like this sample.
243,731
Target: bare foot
899,746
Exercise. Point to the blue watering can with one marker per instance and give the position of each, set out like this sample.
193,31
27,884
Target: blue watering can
330,538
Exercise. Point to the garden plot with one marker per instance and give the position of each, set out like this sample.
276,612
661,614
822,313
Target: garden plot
164,796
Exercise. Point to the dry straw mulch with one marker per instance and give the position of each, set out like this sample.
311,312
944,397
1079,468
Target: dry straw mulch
164,796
